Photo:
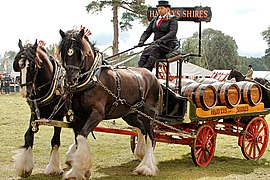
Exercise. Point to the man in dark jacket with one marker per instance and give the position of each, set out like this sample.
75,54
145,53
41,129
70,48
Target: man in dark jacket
165,29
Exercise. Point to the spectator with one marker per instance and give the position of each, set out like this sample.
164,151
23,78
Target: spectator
249,72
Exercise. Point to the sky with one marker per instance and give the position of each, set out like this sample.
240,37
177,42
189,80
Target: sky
28,20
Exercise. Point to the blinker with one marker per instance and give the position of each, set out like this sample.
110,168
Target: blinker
70,52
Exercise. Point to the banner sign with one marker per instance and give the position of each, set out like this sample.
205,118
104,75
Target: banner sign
196,14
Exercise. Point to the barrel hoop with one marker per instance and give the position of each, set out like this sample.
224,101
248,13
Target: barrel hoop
201,96
227,97
193,92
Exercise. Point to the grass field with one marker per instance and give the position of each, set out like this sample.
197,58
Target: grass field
112,157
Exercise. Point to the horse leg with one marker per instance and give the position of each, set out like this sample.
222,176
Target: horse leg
54,166
132,120
148,165
71,150
82,160
23,158
140,148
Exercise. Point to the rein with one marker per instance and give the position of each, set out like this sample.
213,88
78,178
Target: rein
89,74
126,51
46,98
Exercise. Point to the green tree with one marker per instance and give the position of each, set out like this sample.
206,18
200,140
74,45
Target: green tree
134,9
266,37
219,51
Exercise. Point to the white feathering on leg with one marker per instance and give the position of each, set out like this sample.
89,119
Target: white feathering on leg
24,163
81,165
140,147
148,165
54,166
69,154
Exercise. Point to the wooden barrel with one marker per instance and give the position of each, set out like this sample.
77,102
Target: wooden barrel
251,93
229,94
202,95
207,80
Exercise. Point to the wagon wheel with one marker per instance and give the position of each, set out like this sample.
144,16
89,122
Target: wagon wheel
133,143
203,147
255,138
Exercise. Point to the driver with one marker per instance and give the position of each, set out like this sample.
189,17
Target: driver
164,28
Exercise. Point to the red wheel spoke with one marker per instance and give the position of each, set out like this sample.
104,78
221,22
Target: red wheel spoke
249,147
254,150
199,156
261,129
257,146
198,151
250,133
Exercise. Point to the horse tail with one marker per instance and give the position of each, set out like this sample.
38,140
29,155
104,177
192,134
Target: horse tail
160,99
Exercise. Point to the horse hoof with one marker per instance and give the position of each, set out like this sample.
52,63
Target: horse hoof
26,174
87,174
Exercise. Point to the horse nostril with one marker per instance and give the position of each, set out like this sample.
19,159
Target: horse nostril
75,79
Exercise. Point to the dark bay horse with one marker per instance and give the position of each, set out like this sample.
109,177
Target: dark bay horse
39,80
240,77
237,75
101,92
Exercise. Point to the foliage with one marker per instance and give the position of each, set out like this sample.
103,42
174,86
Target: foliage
219,50
266,37
136,9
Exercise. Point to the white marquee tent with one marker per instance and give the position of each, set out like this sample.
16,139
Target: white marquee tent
190,70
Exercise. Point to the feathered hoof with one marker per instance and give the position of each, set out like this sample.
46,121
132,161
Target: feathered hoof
87,174
145,170
25,174
70,175
53,172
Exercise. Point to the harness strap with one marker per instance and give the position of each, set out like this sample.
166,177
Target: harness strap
118,93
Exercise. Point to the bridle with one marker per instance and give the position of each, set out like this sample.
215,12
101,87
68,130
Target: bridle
37,66
70,52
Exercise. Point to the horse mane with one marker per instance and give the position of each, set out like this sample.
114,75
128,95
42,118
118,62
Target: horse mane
43,54
73,35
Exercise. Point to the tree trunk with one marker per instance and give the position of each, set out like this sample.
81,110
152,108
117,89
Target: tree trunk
115,47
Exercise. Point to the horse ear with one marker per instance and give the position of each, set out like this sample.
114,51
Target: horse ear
81,33
35,45
62,33
20,44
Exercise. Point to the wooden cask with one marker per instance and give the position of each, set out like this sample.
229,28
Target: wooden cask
202,95
251,93
229,94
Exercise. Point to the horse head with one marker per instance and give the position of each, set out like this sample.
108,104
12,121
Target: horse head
33,63
77,54
237,75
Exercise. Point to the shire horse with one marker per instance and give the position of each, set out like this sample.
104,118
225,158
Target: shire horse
39,74
131,93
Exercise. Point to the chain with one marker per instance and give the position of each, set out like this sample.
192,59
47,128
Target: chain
140,112
122,101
